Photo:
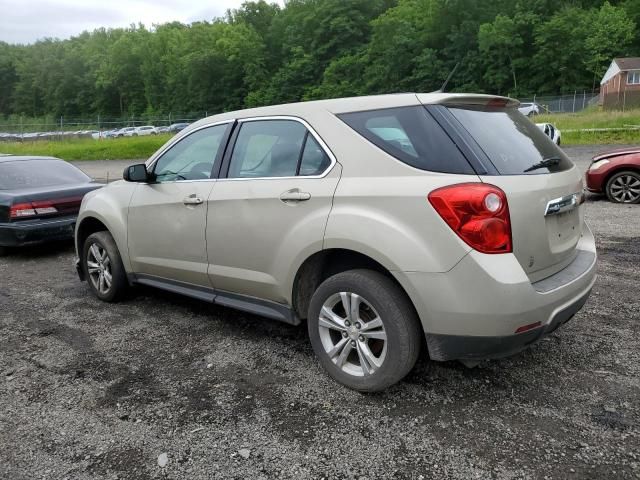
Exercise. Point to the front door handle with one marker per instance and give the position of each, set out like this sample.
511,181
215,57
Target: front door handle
192,199
295,195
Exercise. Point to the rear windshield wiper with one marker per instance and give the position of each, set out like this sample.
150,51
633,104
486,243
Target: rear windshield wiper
546,163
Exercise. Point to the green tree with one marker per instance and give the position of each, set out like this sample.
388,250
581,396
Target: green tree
558,68
610,35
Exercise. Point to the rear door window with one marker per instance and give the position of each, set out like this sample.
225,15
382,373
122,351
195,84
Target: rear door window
411,135
512,142
267,148
314,158
276,148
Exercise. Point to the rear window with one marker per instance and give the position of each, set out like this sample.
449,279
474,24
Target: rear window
513,143
38,173
411,135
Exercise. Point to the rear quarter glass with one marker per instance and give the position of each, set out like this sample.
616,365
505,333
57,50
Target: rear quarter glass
511,142
411,135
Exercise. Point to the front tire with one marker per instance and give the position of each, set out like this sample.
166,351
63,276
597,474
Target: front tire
624,187
364,330
103,267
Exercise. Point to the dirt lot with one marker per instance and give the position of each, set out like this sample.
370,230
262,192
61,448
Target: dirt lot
90,390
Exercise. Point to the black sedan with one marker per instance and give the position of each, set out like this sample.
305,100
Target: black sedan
39,199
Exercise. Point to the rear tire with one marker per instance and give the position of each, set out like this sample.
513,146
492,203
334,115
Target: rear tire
103,267
624,187
373,346
3,251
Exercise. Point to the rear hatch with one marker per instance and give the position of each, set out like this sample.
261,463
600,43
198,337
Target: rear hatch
543,187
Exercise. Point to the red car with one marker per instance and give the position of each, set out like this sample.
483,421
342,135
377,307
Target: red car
616,174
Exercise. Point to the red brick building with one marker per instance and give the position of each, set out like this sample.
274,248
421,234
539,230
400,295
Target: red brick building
620,86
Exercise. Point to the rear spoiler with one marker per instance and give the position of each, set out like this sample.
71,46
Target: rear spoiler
456,99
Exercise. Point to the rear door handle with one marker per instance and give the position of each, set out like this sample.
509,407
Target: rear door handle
295,195
192,199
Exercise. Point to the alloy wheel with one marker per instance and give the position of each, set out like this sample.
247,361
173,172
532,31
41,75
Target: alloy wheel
625,189
99,268
352,334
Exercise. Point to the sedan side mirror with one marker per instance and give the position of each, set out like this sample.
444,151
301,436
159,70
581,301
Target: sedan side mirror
136,173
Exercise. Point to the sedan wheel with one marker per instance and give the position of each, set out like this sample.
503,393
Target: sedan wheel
624,187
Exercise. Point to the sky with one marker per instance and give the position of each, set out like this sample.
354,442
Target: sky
25,21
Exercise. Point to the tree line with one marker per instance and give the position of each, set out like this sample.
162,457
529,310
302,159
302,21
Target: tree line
263,54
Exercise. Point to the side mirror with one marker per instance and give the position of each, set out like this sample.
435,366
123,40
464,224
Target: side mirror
136,173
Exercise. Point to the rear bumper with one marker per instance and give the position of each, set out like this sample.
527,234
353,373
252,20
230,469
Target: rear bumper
473,311
458,347
30,232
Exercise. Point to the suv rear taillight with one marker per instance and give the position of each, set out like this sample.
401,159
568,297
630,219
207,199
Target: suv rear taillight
478,213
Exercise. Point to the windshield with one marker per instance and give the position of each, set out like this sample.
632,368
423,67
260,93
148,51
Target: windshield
513,143
39,173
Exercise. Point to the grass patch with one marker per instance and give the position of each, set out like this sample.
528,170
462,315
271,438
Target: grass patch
126,148
621,137
593,118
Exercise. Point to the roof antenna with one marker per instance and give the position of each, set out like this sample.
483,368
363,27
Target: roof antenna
446,82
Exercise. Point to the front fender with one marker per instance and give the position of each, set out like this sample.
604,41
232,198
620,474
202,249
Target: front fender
110,206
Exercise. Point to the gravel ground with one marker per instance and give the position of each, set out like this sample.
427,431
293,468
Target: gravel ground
165,387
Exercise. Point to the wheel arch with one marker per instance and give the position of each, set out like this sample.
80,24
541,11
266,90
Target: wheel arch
325,263
90,222
627,167
86,227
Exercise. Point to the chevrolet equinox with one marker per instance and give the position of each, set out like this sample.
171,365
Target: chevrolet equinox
389,222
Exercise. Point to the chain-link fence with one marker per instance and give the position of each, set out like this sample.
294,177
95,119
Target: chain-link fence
22,129
17,130
572,103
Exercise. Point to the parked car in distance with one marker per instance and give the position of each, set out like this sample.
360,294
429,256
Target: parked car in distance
39,199
96,134
162,129
529,109
144,130
551,131
616,174
111,133
177,127
346,213
125,132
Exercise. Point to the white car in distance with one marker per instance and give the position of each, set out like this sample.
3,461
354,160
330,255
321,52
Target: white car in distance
144,130
125,132
550,131
529,109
